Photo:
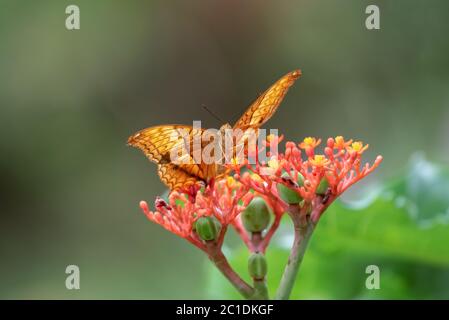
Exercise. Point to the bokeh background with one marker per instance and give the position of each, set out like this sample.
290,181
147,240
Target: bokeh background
70,187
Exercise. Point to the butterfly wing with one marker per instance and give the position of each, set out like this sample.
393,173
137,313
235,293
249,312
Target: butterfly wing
265,106
181,176
160,143
178,176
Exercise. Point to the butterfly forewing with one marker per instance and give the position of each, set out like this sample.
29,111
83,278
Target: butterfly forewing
266,105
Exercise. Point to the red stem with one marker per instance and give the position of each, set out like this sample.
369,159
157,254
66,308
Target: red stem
270,233
218,258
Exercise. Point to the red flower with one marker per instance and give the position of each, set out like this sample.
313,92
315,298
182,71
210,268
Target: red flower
309,144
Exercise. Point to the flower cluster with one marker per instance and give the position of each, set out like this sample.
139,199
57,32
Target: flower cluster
287,179
224,200
312,182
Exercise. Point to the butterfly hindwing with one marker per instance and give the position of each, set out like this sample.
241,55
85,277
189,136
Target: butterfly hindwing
178,176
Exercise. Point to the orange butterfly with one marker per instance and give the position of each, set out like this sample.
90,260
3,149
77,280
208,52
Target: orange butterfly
157,142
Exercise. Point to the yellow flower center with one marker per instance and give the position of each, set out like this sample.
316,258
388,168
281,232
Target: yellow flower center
339,142
357,146
270,137
273,163
319,160
231,181
235,161
309,141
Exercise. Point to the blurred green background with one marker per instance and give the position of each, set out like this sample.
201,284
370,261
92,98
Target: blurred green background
69,99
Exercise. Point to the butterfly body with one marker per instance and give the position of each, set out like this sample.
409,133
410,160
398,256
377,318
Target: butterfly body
161,144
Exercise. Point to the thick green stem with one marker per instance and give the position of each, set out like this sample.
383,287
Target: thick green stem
303,232
260,290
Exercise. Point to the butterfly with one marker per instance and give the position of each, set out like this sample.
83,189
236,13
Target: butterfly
158,143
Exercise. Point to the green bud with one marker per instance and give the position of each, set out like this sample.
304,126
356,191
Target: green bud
322,187
300,179
257,266
207,228
287,194
256,216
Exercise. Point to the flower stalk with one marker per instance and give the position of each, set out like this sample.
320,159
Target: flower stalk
260,290
216,255
302,234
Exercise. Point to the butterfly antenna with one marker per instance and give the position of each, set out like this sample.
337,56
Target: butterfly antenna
211,113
